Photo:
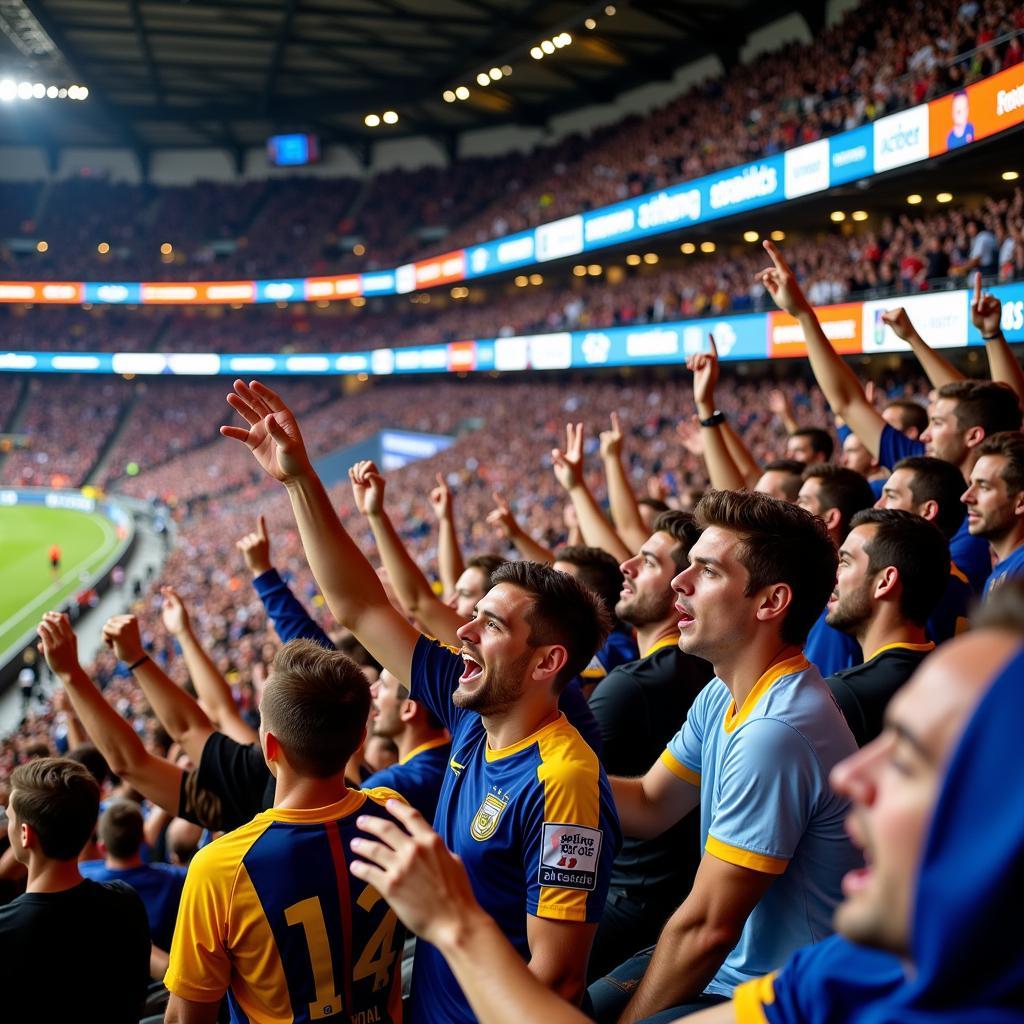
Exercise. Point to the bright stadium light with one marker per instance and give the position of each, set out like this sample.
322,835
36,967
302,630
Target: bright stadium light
522,281
859,215
688,248
483,79
496,74
38,91
778,236
536,53
1011,175
51,92
914,199
536,279
8,89
837,216
103,248
448,96
944,197
42,246
547,46
25,90
462,92
650,258
579,270
708,247
506,69
633,259
371,120
590,23
610,10
390,117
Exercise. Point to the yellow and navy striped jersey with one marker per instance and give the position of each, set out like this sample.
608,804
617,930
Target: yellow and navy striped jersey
534,824
271,915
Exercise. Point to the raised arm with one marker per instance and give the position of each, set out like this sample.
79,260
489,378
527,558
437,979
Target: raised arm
986,314
625,510
283,608
347,580
179,714
840,385
154,777
411,586
211,687
450,565
725,475
780,406
568,467
937,368
503,519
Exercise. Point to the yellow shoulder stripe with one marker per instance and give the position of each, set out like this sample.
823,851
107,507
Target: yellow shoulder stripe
680,771
745,858
750,999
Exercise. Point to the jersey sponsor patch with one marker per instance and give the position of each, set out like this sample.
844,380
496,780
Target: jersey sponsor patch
569,856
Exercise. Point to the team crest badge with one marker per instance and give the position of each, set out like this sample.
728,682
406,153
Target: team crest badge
486,819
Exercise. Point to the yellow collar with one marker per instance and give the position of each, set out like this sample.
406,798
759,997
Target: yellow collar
733,719
665,641
899,645
429,745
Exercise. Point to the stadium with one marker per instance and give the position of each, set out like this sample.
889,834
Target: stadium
511,511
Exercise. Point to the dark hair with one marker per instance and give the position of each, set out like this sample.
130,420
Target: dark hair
597,569
939,481
821,440
983,403
653,503
918,551
794,471
780,543
1009,444
487,564
912,414
842,489
564,612
60,800
316,703
120,829
683,528
94,761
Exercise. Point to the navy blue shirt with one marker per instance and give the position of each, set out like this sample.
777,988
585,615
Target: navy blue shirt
829,649
159,887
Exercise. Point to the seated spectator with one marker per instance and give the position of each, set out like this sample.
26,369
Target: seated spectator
105,972
916,931
893,568
159,885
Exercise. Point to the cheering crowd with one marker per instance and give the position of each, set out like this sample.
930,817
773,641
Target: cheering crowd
747,754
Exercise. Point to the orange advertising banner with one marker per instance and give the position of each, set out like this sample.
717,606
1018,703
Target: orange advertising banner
841,324
983,109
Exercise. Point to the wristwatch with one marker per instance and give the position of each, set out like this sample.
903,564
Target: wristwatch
714,419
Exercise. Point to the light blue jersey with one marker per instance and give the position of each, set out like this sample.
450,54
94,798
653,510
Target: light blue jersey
765,804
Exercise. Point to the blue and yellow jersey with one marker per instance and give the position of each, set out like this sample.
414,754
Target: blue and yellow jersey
619,648
766,804
271,914
534,823
1010,567
949,618
418,776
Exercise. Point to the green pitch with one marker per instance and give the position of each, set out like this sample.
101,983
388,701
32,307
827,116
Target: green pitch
27,584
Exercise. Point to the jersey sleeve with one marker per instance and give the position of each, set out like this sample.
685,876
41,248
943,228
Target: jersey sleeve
894,445
571,839
199,968
286,611
237,775
574,706
767,785
436,670
682,756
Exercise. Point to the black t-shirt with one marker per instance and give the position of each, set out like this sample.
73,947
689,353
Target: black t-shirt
230,787
863,691
81,954
640,706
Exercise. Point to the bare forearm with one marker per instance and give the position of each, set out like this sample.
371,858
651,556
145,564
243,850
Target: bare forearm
744,462
625,510
500,988
724,473
636,815
213,690
937,368
595,529
686,958
1003,364
531,549
76,734
341,570
450,565
411,586
179,714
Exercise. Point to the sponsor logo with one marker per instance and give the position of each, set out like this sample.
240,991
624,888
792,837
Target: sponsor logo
516,251
569,856
850,156
608,225
806,169
595,347
485,821
652,343
1009,100
901,138
560,238
755,182
668,208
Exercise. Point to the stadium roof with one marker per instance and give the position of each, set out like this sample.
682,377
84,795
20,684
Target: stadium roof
228,73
